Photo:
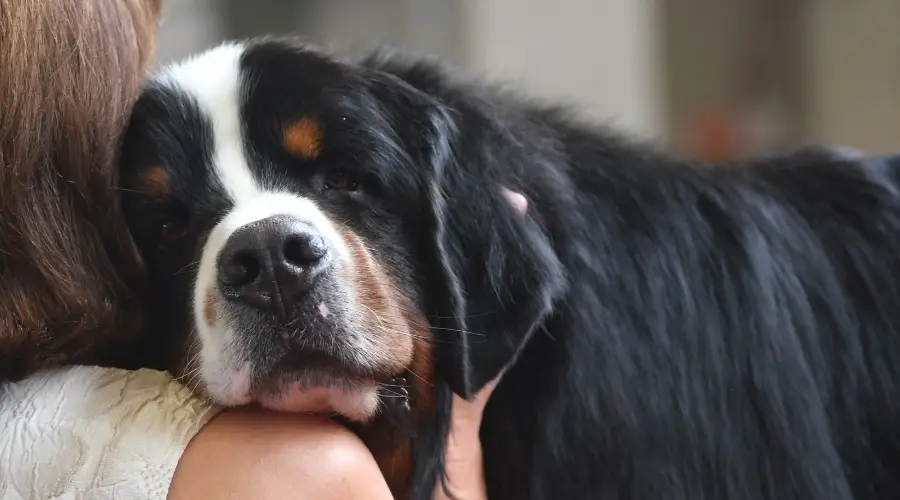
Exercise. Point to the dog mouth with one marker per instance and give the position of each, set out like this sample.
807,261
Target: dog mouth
339,331
346,399
310,382
352,398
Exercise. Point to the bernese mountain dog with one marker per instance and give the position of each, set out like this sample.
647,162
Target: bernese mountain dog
365,237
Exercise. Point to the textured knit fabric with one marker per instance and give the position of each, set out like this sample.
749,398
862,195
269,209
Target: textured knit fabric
88,433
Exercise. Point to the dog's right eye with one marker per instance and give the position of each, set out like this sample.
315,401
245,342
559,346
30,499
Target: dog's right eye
171,231
171,228
341,181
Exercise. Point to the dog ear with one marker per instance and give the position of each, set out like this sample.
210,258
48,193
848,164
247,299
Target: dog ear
494,275
491,274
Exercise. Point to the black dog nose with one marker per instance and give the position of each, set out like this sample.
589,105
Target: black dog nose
272,263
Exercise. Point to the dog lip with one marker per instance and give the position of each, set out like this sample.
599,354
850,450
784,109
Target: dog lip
312,370
305,359
304,356
326,395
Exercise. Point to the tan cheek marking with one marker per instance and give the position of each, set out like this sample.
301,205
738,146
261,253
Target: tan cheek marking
303,139
422,368
155,181
406,341
383,309
393,453
395,461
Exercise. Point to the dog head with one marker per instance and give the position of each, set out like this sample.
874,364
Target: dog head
314,229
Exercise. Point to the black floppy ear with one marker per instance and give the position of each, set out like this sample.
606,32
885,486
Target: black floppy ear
491,274
495,274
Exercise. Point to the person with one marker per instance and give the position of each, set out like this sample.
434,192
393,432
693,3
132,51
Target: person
71,281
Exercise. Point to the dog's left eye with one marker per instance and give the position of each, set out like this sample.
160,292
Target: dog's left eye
341,180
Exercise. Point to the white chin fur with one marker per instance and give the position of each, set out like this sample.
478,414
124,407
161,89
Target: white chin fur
225,386
229,387
357,404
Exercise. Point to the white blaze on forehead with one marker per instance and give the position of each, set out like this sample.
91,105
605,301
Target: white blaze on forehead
213,78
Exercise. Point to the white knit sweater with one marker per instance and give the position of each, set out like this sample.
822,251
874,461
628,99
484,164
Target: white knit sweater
88,433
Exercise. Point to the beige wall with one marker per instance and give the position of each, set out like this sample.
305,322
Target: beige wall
850,73
623,60
425,26
601,55
187,26
699,48
854,60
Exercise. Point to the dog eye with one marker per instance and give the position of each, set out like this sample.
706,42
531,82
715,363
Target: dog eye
341,180
171,230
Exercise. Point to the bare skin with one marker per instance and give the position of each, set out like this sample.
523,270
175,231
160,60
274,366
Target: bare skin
244,454
465,471
268,456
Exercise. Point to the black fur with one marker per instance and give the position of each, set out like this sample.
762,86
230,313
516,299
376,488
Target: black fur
398,409
676,331
726,331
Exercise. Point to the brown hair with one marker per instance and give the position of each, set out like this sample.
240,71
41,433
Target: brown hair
69,73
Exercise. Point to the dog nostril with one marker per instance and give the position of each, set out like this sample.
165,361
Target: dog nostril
241,269
304,250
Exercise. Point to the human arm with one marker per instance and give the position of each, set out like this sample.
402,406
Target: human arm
99,433
315,456
249,454
465,472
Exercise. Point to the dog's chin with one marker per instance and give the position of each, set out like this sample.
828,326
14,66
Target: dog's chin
311,390
358,403
322,368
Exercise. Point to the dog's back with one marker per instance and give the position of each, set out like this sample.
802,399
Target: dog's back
728,332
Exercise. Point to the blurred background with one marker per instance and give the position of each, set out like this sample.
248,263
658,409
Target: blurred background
712,79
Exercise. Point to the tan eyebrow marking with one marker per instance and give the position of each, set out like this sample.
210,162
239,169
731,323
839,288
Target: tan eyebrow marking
155,181
303,139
